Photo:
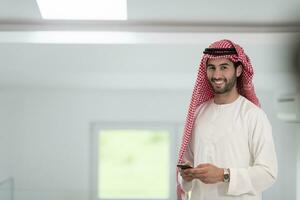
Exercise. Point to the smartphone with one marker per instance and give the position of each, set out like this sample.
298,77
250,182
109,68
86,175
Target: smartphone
184,166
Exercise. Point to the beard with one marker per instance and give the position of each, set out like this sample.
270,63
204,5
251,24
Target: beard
227,85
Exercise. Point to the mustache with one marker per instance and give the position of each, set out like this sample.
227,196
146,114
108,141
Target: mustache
217,79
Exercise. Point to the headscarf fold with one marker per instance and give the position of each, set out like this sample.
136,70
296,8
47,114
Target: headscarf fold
203,92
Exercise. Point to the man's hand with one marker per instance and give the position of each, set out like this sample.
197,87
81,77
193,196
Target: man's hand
185,175
207,173
183,172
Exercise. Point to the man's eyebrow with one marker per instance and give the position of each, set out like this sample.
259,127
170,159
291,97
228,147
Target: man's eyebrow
210,65
224,64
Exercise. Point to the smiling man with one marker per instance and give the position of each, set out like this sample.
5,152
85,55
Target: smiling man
227,139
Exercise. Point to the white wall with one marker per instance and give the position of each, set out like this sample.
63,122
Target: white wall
50,151
298,162
51,139
45,133
6,131
285,138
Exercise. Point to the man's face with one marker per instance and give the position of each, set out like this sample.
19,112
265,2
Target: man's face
222,75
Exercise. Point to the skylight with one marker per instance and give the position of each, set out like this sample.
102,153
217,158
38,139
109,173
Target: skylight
83,9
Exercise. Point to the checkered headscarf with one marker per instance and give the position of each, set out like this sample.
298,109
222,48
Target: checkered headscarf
203,92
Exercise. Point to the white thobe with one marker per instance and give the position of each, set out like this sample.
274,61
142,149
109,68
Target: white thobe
237,136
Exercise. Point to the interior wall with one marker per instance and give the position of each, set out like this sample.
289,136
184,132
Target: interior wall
298,161
50,142
7,122
45,132
51,139
285,139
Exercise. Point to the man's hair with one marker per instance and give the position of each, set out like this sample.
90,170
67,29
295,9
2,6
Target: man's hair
238,63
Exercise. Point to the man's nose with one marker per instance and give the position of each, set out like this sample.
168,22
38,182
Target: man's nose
217,74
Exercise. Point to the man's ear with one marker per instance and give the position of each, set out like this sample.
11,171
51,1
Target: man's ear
239,70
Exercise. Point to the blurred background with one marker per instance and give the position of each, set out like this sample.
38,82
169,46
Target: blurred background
93,108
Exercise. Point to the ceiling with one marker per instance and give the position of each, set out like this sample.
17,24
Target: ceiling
161,40
175,11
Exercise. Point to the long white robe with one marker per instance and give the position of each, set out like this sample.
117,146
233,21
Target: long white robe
237,136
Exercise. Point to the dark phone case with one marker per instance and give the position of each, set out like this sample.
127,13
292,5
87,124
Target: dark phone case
184,166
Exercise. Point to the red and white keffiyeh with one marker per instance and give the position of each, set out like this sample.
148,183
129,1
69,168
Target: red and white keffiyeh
203,92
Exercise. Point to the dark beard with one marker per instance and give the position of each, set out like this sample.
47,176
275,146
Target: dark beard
229,84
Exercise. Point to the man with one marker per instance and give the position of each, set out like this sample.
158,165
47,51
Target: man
227,138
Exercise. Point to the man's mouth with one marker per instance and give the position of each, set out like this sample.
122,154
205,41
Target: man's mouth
218,82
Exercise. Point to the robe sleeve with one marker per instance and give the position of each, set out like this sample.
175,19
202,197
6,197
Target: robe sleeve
263,172
187,157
